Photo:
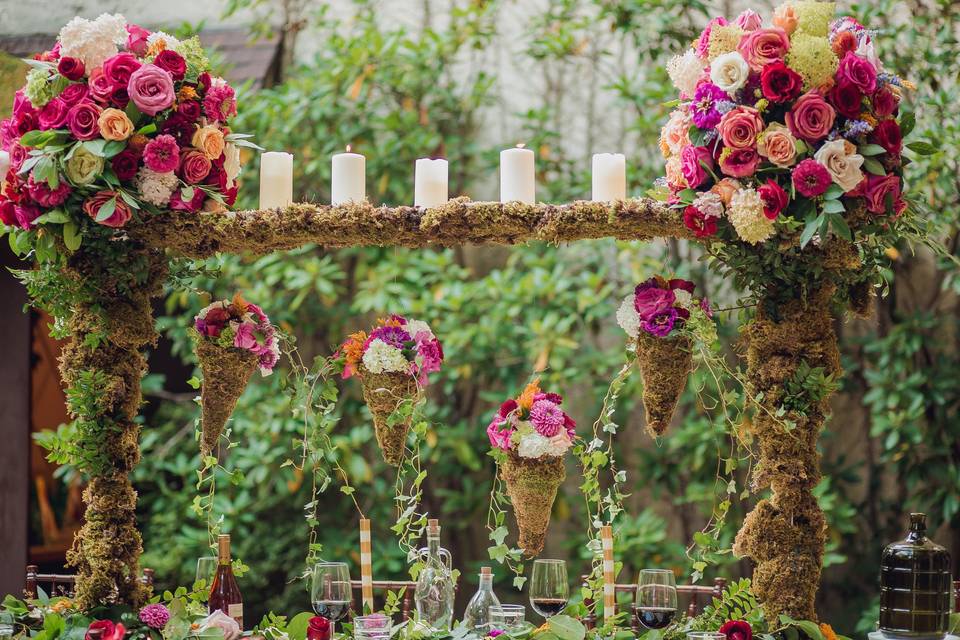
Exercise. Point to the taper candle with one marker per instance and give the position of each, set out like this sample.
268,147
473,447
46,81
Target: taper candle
430,183
348,178
518,181
609,177
276,179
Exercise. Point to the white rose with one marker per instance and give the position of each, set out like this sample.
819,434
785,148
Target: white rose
729,72
685,71
843,163
628,318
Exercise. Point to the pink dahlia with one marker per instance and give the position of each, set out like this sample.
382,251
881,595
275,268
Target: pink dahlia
155,616
162,154
811,178
547,418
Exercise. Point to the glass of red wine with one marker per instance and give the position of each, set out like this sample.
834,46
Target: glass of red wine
549,590
330,590
656,605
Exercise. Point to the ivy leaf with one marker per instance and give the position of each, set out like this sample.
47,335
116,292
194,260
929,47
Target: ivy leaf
499,534
519,581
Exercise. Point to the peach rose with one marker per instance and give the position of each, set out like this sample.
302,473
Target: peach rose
675,174
675,135
725,189
209,139
114,125
740,127
785,17
763,46
778,145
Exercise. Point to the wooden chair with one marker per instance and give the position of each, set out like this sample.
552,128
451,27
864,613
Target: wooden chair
408,587
699,596
61,584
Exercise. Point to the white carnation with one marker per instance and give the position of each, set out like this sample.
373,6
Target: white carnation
381,357
746,216
169,41
156,188
628,318
685,71
94,41
413,327
729,72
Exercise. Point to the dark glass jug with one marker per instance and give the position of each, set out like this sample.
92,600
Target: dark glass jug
915,585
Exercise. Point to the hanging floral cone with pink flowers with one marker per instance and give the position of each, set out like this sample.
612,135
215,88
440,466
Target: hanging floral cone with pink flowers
659,317
393,363
232,339
534,433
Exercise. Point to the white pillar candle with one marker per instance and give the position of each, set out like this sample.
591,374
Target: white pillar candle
609,177
348,181
276,179
518,181
4,165
430,183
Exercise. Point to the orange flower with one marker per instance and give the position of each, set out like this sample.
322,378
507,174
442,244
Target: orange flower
137,142
239,304
159,45
62,605
352,349
392,321
525,401
827,631
186,93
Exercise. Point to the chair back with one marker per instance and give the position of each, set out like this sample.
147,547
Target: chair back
696,597
407,587
56,584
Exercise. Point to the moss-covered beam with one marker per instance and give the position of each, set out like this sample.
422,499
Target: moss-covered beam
458,222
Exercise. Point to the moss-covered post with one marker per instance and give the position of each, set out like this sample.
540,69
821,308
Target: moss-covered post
785,534
102,367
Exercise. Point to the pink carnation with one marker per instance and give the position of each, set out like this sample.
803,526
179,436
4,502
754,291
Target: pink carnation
499,433
220,103
162,154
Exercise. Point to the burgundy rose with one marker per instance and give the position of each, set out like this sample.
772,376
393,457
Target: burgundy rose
190,110
74,93
18,155
120,98
126,164
54,114
120,216
8,215
887,134
194,204
194,166
684,285
70,68
137,39
42,194
120,67
811,118
780,83
739,163
180,128
318,628
847,99
172,62
204,80
737,630
879,189
885,102
109,630
101,87
859,71
774,199
82,121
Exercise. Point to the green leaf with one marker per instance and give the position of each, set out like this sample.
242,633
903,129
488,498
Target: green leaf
113,147
106,209
923,148
833,192
567,628
833,206
147,129
37,138
71,236
840,227
810,229
874,167
907,122
54,216
871,150
297,627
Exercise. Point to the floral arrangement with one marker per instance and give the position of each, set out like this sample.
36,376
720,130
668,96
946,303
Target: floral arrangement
663,318
232,338
393,363
783,129
529,436
116,122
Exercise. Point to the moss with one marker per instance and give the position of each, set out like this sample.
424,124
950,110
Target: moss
226,372
665,364
532,485
384,393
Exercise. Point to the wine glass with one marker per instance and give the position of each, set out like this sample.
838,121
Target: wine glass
548,587
330,590
206,568
656,598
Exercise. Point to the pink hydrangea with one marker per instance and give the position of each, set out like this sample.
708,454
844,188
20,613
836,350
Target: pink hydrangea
547,418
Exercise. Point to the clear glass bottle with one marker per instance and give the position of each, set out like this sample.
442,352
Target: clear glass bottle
477,616
435,585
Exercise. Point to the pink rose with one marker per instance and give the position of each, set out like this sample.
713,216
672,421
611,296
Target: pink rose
749,20
74,93
82,120
692,161
763,46
120,67
54,114
778,145
811,117
70,68
245,337
101,87
194,166
121,213
137,39
879,188
858,71
151,89
740,127
739,163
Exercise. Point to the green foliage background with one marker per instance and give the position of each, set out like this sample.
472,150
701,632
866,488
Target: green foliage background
396,95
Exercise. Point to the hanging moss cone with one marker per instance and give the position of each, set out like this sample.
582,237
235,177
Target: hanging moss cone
665,364
532,485
383,393
226,372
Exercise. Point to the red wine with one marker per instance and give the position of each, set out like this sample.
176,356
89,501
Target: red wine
224,592
332,610
548,607
655,617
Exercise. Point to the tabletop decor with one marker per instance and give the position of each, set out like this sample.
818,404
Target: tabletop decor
530,435
232,338
393,363
661,317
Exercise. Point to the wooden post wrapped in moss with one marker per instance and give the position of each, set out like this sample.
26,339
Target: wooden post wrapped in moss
785,535
665,364
532,485
226,372
384,393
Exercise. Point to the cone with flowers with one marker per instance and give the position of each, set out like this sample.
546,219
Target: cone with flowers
233,338
393,363
533,433
657,316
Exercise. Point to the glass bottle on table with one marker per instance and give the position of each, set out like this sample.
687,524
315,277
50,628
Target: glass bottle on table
656,605
435,584
224,592
549,590
477,614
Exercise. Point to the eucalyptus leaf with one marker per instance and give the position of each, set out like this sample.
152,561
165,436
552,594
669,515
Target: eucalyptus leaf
106,209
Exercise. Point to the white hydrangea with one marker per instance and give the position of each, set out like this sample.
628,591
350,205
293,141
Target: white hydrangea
685,71
710,204
93,41
381,357
168,40
628,318
534,445
414,327
746,216
683,298
156,188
